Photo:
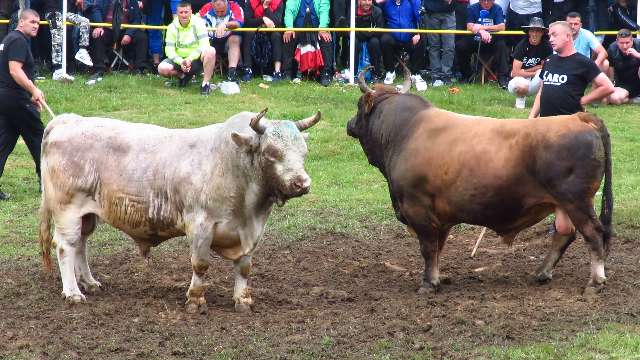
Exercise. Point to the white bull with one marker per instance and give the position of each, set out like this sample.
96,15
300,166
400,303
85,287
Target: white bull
216,185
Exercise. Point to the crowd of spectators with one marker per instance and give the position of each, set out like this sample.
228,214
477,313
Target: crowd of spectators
438,59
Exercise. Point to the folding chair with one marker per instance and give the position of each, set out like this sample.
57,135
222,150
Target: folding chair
486,71
118,58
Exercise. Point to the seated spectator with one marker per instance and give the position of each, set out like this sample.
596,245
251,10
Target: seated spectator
263,13
370,16
623,15
225,15
586,43
441,47
129,39
483,41
519,14
624,56
53,14
187,49
308,13
403,14
528,57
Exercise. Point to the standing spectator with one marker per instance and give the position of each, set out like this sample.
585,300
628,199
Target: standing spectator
586,43
460,9
484,42
624,56
441,47
308,13
53,14
403,14
20,99
623,15
369,16
519,14
6,7
188,50
528,57
103,38
155,13
268,14
565,76
225,15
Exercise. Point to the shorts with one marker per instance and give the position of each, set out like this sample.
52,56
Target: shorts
196,66
534,84
220,44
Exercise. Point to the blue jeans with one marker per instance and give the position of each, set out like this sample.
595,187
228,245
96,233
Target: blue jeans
441,47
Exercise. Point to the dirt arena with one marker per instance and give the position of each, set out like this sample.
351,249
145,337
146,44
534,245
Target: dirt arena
325,297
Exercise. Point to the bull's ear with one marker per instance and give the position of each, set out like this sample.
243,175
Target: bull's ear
243,141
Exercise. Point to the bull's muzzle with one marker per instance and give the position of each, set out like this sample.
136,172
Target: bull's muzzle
351,127
301,185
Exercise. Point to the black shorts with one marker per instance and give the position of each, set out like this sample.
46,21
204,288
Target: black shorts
220,44
196,66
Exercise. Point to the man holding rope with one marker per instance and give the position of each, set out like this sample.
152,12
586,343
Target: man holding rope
20,99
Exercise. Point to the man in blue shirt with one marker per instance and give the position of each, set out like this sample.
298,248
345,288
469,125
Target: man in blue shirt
586,43
483,18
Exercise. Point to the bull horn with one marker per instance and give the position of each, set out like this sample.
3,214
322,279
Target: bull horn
304,124
406,85
362,82
256,124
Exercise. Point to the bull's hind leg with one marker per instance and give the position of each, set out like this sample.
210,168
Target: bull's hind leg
202,237
67,238
82,270
242,291
563,236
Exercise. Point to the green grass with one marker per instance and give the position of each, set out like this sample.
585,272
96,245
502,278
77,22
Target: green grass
348,195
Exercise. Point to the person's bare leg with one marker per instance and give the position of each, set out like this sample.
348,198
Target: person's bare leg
208,62
234,50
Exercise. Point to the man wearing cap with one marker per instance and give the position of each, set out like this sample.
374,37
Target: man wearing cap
624,55
528,57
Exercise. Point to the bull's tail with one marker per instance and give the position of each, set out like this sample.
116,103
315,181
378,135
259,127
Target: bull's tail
45,237
606,210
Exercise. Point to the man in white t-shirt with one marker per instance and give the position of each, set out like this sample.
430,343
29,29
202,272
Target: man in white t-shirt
586,43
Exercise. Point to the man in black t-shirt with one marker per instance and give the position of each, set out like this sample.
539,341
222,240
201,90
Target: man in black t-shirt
565,77
624,58
20,100
528,57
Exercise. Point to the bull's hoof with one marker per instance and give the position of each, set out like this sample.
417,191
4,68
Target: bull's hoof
242,308
591,292
75,299
196,306
428,289
92,288
543,277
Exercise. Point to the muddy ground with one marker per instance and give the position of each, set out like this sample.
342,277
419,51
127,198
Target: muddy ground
326,297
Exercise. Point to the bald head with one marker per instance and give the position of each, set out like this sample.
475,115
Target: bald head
29,22
561,38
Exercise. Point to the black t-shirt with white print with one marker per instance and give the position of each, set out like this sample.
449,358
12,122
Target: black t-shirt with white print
564,80
532,55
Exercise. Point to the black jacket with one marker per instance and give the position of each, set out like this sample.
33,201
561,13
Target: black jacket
97,12
373,20
251,21
623,17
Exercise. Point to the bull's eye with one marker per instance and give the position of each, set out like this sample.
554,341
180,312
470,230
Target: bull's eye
273,153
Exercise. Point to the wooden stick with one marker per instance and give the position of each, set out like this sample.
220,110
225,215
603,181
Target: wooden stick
473,253
48,109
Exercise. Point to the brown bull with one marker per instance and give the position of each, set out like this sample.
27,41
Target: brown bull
444,168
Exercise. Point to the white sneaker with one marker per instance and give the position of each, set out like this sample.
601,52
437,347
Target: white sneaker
437,83
94,79
59,75
421,85
521,102
389,78
83,56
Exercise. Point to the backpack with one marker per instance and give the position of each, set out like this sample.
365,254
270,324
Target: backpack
261,50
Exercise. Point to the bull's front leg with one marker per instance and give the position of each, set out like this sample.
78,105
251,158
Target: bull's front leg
431,245
200,248
242,291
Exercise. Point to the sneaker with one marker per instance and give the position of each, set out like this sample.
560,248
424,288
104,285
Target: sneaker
325,79
185,80
4,196
205,89
232,75
419,82
96,77
277,76
521,102
83,56
59,75
247,74
390,78
437,83
503,82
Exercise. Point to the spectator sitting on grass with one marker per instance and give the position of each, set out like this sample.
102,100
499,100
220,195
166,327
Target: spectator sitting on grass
624,56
